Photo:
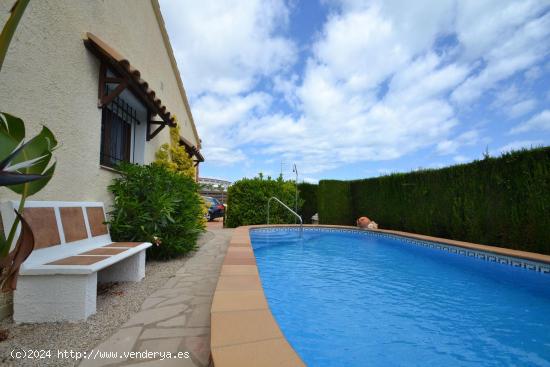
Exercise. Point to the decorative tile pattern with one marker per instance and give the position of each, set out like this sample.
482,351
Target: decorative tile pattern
480,255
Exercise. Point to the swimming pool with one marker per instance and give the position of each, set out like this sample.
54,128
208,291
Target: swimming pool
354,298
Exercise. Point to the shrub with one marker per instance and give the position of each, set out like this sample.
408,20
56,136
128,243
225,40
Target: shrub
174,156
247,201
334,202
501,201
153,202
308,193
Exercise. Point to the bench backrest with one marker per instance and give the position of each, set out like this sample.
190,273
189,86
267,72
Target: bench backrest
60,228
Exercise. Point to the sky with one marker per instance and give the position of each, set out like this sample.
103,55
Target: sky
351,89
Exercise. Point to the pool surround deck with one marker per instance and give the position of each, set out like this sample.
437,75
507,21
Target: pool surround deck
243,330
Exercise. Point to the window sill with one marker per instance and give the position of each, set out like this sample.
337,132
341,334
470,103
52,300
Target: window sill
107,168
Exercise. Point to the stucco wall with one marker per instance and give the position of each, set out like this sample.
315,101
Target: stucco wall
50,78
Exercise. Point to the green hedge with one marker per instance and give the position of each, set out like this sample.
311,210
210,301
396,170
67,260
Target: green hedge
501,201
247,201
152,202
308,193
334,202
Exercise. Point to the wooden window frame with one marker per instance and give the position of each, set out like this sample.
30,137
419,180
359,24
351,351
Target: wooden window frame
106,99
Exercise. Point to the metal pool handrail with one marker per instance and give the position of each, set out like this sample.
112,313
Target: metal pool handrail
290,210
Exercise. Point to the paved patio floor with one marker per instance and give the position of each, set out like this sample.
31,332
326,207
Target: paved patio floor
176,318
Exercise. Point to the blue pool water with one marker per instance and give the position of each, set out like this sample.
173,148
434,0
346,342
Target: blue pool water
353,299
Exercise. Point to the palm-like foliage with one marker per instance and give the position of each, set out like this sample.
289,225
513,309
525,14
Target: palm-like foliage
25,169
24,166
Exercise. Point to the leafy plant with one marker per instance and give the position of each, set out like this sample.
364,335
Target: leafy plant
247,201
154,204
174,156
24,167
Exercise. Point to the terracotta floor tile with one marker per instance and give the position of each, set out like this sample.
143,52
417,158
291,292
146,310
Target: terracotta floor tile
239,250
267,353
239,261
239,283
238,301
239,244
239,254
239,270
229,328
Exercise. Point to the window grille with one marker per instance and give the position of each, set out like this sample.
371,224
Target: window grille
116,132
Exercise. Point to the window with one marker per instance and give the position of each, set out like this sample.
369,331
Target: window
123,129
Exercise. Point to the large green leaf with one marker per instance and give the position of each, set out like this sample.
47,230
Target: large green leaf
34,186
9,28
26,160
11,178
12,133
39,146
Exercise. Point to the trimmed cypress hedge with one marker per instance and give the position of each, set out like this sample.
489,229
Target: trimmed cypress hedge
334,202
308,193
501,201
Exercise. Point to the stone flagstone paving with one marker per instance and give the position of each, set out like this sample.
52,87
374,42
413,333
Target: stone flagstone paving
176,317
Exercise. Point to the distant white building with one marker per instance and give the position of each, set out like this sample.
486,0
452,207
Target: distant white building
214,182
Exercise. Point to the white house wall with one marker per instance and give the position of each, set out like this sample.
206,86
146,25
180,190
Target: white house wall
50,78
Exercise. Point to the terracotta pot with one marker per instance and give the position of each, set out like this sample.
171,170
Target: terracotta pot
363,222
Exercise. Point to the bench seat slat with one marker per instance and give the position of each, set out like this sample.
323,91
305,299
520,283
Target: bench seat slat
104,251
78,260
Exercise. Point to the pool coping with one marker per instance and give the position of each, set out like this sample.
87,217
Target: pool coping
243,329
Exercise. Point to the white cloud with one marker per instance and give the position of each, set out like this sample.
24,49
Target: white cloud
342,119
506,96
220,118
374,86
223,46
539,122
521,108
517,145
523,47
222,49
224,156
467,138
512,103
482,26
460,158
533,73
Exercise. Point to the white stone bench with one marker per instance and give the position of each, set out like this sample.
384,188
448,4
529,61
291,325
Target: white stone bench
73,251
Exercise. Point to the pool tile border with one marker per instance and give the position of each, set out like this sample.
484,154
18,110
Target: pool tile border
519,259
